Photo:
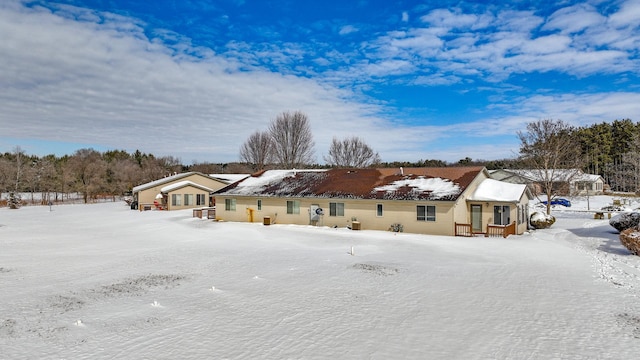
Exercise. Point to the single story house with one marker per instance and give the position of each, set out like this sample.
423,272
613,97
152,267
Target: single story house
565,181
415,200
178,191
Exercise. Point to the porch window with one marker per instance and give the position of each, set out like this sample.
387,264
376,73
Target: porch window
426,213
176,199
200,199
293,207
336,209
188,199
379,210
230,204
501,215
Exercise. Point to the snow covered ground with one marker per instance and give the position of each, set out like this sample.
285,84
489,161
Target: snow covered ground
104,282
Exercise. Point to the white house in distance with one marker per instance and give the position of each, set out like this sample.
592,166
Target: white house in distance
438,201
565,181
180,191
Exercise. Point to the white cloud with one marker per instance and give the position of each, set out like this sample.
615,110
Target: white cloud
95,78
628,14
455,20
103,82
405,16
574,19
348,29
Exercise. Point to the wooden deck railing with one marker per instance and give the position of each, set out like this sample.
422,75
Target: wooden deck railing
463,229
209,212
492,230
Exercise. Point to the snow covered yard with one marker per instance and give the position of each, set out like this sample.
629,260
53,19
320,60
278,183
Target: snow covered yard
101,281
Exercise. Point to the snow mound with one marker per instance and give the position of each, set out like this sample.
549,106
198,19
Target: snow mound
541,220
625,221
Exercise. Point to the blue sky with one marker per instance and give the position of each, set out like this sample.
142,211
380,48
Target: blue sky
416,80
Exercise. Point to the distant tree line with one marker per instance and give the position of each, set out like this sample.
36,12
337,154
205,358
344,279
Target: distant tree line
90,173
608,149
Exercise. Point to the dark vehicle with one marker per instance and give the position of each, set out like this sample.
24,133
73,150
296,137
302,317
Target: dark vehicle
558,201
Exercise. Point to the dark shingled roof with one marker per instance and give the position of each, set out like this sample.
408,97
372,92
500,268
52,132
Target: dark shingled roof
445,183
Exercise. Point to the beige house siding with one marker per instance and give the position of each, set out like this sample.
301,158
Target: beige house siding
363,211
518,213
177,199
596,187
148,194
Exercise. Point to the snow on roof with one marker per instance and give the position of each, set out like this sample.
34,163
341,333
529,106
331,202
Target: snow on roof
444,184
229,178
495,190
588,177
554,174
160,181
254,185
438,187
181,184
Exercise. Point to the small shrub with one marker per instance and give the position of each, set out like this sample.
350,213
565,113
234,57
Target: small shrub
630,238
396,227
14,201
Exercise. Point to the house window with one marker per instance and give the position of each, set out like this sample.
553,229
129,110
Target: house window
501,215
379,209
520,209
293,207
176,200
259,204
426,213
200,199
336,209
188,199
230,204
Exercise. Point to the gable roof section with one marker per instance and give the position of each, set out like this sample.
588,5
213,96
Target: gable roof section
229,178
389,183
558,175
181,184
168,179
542,175
495,190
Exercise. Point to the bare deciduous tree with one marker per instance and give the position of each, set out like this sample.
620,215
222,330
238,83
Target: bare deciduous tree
88,170
257,150
549,149
19,156
6,177
47,178
351,152
292,140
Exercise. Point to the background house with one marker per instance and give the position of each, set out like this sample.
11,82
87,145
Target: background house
418,200
179,191
565,181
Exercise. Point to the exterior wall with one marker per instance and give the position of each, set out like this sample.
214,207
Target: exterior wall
147,196
363,211
186,190
402,212
589,188
518,213
462,209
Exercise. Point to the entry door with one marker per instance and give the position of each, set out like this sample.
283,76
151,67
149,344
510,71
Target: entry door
476,218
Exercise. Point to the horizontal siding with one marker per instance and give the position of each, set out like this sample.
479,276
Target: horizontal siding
364,211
